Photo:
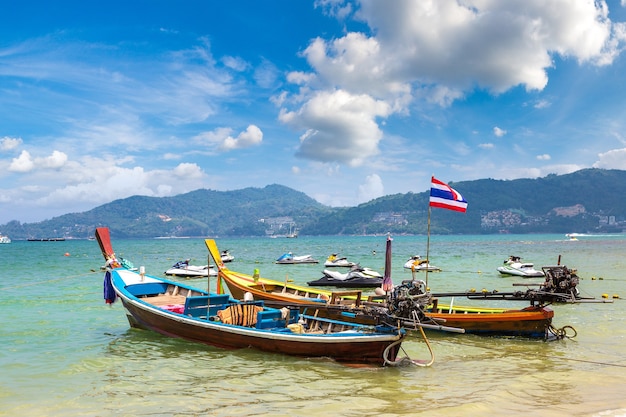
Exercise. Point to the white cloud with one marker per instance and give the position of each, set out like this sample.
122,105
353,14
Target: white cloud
266,74
22,163
499,132
544,157
8,144
222,138
235,63
91,182
252,136
188,171
486,145
613,159
26,163
371,189
56,160
340,127
488,44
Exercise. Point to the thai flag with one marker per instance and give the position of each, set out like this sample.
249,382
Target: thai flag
444,196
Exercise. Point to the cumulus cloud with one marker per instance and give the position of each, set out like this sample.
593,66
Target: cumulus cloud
222,138
56,160
371,189
93,181
188,171
489,44
499,132
497,45
252,136
613,159
22,163
8,144
339,127
544,157
25,162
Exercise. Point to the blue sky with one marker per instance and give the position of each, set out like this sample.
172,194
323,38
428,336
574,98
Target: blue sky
345,101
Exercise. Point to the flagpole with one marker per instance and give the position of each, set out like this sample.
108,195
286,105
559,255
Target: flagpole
428,247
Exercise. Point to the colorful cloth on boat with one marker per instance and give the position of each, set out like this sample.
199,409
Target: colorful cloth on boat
109,292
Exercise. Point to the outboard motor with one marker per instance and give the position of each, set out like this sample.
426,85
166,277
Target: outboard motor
409,300
561,280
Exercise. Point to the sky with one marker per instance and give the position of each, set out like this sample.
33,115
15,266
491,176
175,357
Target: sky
346,101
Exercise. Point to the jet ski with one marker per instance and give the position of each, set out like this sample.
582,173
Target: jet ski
357,277
335,261
289,258
183,269
514,266
226,256
416,263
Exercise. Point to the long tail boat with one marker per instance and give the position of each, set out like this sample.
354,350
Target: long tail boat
534,321
177,310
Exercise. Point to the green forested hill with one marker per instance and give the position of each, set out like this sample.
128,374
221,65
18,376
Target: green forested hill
531,202
584,201
198,213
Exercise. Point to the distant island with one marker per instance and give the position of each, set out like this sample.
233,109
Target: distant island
586,201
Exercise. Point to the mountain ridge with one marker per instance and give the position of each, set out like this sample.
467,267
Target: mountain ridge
584,201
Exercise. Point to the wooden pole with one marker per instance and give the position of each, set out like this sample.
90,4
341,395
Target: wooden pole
428,247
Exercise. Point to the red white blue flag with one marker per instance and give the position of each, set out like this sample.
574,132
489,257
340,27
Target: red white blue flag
444,196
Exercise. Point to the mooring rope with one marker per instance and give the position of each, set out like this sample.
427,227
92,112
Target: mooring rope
406,360
562,332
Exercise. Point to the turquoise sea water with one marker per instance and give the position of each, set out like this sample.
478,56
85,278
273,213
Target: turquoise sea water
65,353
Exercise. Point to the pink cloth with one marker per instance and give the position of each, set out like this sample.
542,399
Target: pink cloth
174,308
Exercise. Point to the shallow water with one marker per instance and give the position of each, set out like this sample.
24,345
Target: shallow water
66,353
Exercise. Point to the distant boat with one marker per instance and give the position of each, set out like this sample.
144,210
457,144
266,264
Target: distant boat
293,233
4,239
47,239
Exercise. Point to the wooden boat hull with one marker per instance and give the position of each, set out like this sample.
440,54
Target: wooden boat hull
363,347
532,322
